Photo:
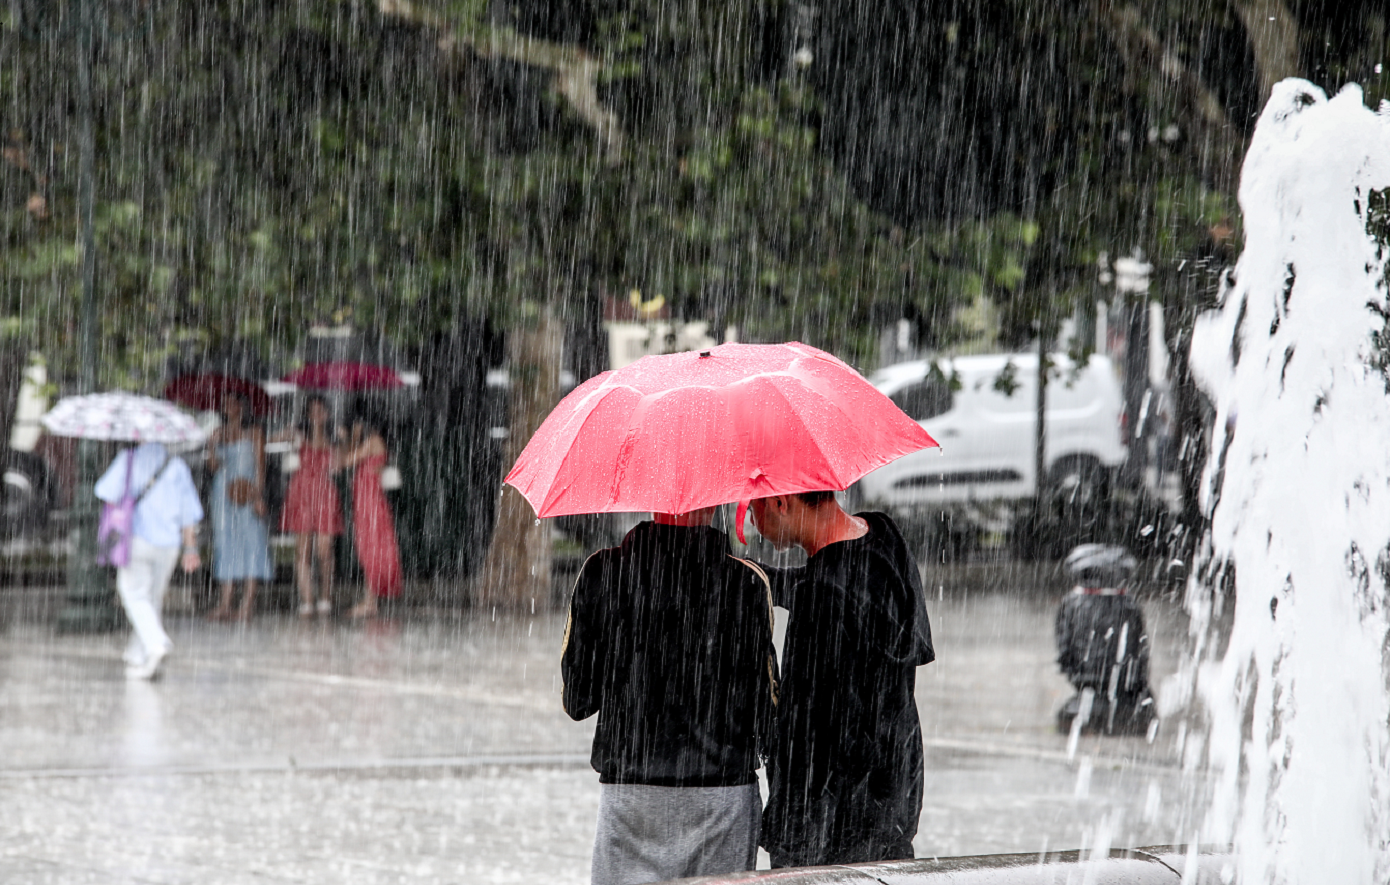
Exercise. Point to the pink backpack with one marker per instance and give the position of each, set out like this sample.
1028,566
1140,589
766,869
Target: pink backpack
117,525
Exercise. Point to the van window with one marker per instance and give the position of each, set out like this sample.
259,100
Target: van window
925,399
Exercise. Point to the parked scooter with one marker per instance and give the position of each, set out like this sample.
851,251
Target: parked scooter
1102,645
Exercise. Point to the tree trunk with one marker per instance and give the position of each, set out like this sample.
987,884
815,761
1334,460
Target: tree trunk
516,572
1217,147
1273,41
577,73
14,357
1040,432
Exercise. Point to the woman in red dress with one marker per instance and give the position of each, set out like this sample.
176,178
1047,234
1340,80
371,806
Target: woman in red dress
373,529
313,512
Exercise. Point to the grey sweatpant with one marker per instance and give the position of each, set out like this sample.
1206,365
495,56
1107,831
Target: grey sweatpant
651,834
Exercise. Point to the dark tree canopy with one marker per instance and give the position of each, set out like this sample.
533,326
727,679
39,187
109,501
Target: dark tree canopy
262,165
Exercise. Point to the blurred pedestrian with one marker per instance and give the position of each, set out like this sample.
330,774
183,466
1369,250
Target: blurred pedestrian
1163,440
1102,646
166,520
669,640
845,771
373,529
313,512
240,546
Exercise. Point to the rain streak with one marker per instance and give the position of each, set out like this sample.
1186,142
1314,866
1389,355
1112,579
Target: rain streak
623,441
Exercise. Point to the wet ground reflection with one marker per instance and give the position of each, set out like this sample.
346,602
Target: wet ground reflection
432,747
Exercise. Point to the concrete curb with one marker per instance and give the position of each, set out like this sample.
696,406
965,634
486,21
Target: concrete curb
1154,865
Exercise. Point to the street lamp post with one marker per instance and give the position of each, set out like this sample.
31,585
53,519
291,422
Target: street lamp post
90,606
1131,281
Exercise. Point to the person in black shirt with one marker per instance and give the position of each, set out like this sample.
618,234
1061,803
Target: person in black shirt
845,772
669,640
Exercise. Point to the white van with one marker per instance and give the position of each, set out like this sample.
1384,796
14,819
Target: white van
987,435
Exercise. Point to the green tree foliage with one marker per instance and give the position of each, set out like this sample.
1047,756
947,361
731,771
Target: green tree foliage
263,165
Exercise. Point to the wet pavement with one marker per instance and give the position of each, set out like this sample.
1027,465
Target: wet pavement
432,748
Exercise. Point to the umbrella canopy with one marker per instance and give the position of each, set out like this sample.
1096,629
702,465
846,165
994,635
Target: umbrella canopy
345,376
209,390
122,416
236,360
682,431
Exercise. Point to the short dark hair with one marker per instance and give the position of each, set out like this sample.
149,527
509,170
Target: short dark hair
248,419
815,499
304,426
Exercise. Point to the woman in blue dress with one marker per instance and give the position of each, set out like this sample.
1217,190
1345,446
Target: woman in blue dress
240,549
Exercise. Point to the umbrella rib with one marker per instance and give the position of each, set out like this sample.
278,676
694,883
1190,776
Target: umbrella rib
592,401
791,407
818,386
623,457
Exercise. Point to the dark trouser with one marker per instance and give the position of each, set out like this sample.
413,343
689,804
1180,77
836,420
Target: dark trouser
862,822
868,851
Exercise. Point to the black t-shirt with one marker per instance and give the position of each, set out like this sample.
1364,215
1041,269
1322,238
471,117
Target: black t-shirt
845,774
670,642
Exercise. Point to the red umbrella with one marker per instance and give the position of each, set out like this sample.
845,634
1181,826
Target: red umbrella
683,431
210,390
345,376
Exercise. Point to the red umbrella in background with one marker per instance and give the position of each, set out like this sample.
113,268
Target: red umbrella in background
208,391
345,376
683,431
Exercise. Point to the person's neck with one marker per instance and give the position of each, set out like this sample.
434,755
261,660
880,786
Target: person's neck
831,526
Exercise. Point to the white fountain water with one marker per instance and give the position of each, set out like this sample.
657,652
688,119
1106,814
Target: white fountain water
1297,698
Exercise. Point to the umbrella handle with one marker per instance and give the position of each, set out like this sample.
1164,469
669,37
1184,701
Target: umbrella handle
739,516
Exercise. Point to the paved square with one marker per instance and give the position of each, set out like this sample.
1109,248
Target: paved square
432,748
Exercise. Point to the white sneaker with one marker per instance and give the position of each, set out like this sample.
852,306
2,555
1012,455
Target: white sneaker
150,668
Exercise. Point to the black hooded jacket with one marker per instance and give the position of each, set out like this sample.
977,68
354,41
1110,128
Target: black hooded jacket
670,641
845,774
1101,642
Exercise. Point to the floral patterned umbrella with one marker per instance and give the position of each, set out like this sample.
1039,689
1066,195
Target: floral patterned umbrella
122,416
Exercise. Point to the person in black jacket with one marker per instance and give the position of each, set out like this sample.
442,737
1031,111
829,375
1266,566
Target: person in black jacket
669,640
1102,646
846,770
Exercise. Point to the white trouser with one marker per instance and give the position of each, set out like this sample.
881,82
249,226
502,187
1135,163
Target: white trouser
142,584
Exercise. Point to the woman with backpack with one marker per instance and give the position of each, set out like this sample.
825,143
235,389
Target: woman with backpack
165,525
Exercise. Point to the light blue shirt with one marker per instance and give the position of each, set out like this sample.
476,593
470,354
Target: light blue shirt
170,504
